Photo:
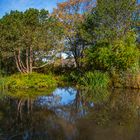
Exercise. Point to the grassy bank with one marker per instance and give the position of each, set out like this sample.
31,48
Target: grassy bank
90,80
26,81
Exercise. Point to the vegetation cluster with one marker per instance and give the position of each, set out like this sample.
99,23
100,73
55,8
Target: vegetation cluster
100,41
26,81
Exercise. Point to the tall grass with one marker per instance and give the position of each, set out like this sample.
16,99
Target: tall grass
95,80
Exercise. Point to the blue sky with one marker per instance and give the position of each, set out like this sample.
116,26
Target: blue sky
21,5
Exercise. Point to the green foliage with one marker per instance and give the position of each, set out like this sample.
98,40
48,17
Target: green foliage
120,55
74,76
34,80
99,39
26,29
110,19
88,80
70,76
94,80
33,30
3,82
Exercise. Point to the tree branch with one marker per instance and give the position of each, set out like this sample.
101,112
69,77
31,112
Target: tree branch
41,66
17,63
27,59
21,63
31,59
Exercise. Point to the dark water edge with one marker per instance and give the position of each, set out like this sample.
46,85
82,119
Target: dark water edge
70,114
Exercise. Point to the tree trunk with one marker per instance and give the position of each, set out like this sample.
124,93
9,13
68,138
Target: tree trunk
21,65
31,60
27,59
17,63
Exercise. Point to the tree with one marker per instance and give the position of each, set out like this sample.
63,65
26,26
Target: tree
109,19
113,41
29,37
121,55
71,14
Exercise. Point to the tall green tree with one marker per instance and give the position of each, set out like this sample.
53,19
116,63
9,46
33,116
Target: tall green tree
29,37
108,28
110,19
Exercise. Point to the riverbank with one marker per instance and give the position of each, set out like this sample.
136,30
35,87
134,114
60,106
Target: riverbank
89,80
26,81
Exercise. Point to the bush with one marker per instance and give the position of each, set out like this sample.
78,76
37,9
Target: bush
120,55
70,78
34,80
95,80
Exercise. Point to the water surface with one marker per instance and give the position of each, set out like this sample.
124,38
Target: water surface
71,114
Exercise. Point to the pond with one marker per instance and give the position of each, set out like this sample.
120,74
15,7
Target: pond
71,114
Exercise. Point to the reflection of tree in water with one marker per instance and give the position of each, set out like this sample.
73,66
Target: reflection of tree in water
30,118
89,115
118,118
30,124
23,121
71,110
123,106
67,108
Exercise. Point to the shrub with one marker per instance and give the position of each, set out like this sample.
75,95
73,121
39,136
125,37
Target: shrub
120,55
70,78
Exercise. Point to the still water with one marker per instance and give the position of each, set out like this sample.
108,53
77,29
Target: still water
70,114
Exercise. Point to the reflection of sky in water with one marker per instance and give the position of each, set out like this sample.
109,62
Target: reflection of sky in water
67,95
61,96
64,102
